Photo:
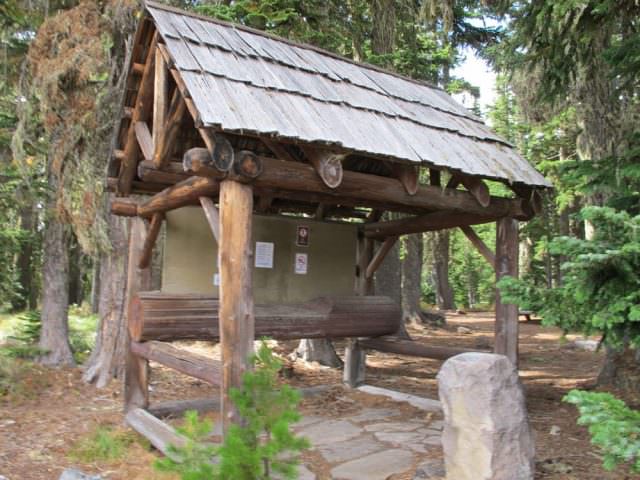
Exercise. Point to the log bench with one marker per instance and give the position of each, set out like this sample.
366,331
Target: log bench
159,316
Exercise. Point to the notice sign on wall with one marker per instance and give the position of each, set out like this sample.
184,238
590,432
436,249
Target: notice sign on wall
302,263
302,236
264,255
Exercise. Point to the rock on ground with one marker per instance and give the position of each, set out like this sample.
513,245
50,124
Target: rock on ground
73,474
486,430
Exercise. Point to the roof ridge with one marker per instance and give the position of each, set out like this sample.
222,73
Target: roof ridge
294,43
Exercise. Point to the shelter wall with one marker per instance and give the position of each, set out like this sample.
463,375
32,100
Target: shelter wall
190,257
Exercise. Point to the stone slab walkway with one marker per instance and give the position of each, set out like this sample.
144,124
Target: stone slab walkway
375,443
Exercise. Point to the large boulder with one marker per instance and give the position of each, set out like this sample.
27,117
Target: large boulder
486,430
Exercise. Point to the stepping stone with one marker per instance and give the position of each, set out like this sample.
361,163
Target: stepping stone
306,421
373,415
412,440
330,431
393,427
419,402
305,474
350,449
377,466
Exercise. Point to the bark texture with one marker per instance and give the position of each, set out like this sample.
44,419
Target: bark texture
54,336
107,358
621,369
388,281
412,279
444,292
25,259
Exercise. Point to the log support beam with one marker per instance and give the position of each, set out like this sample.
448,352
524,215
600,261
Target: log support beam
426,223
296,180
355,361
506,326
169,131
380,255
236,296
477,242
160,98
150,240
213,216
136,381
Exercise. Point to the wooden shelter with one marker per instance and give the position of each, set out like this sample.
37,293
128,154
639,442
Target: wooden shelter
221,114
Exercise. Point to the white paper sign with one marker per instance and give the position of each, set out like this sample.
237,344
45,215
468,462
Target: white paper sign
264,255
216,279
302,261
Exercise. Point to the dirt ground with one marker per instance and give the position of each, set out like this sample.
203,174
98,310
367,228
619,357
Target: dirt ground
37,435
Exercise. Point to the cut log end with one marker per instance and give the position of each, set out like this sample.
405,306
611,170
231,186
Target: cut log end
196,156
223,155
247,164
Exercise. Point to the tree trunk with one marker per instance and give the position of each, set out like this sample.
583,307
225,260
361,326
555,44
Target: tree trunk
107,358
621,369
318,350
75,273
95,286
444,292
54,336
388,279
383,29
412,279
25,259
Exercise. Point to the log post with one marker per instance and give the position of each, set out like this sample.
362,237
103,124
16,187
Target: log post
236,295
506,329
136,381
355,356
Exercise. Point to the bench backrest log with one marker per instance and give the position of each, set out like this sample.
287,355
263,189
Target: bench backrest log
158,316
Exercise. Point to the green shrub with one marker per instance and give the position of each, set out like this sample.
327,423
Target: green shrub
613,426
261,447
103,444
192,461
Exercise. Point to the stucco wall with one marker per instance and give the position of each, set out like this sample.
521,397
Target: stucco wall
190,258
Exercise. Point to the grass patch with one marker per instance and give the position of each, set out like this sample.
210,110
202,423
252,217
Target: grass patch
19,333
104,444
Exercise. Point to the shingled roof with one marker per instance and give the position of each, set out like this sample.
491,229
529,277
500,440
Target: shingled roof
248,82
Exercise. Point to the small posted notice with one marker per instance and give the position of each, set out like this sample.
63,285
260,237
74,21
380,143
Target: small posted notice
216,279
302,262
264,255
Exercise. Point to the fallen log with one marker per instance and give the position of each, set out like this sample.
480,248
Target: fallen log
411,348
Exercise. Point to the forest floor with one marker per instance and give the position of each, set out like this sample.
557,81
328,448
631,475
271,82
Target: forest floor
56,421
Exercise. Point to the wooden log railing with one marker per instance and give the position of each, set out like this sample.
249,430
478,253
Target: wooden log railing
157,316
192,364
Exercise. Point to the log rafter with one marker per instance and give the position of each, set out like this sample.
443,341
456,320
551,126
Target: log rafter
141,112
362,189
